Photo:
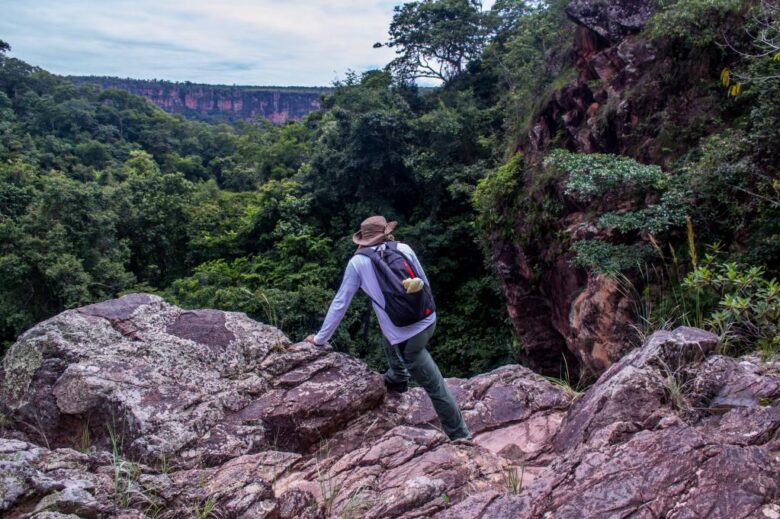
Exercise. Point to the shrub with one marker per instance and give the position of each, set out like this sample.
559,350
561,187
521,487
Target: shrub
608,258
495,190
657,218
748,309
592,175
694,22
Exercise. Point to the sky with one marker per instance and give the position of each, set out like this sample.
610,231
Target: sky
244,42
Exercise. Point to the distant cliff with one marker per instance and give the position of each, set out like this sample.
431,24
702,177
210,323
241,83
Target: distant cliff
216,103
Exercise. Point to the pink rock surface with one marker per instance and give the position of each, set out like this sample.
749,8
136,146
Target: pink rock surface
210,410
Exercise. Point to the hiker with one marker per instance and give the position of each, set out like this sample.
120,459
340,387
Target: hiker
390,274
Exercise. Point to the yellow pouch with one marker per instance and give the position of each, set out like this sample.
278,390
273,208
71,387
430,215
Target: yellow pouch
413,285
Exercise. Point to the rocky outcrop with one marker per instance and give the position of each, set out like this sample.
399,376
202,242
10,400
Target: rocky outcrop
192,386
668,431
629,96
152,407
134,408
569,319
613,20
219,103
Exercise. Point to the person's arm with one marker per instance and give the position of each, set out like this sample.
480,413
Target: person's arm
338,307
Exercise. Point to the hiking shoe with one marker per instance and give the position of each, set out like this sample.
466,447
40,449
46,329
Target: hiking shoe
396,387
462,441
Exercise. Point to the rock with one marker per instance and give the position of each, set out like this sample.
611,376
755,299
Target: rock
624,448
599,328
564,314
298,504
187,387
620,86
394,462
42,482
669,430
219,103
612,20
724,383
404,473
73,500
634,394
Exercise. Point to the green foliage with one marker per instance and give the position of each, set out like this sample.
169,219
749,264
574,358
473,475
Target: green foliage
593,175
101,193
529,54
608,258
747,313
694,22
518,192
436,38
496,190
656,218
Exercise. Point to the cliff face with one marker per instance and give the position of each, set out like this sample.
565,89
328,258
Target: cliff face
215,103
135,408
628,98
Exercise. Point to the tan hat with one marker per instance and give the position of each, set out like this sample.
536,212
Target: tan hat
373,230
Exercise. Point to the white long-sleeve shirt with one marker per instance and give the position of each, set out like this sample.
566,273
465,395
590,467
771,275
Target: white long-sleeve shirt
360,274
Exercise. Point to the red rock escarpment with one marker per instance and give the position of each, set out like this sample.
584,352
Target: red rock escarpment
216,103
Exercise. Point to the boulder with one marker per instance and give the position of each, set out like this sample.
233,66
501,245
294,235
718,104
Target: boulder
613,20
172,385
182,411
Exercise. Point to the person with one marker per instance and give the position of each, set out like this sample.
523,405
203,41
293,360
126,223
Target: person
405,346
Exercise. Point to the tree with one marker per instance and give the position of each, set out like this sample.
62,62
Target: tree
762,27
4,47
436,39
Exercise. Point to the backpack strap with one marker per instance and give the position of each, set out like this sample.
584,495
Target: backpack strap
370,251
372,254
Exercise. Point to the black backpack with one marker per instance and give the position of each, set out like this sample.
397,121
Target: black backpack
392,267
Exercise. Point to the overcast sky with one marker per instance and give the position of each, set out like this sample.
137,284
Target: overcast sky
250,42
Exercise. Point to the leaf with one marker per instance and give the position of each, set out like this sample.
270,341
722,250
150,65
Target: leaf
725,77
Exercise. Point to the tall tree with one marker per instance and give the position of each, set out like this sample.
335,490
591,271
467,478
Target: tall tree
436,38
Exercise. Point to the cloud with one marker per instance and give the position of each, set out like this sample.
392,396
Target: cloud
260,42
255,42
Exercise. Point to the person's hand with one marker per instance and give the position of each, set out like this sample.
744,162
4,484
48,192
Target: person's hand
310,339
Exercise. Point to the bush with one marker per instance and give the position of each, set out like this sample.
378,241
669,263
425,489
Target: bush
592,175
747,313
694,22
495,193
607,258
655,219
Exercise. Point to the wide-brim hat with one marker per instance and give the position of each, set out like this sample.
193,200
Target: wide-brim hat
373,230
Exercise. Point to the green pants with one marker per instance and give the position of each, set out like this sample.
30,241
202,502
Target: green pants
410,359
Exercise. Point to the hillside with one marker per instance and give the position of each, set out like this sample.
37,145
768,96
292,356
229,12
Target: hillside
219,103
